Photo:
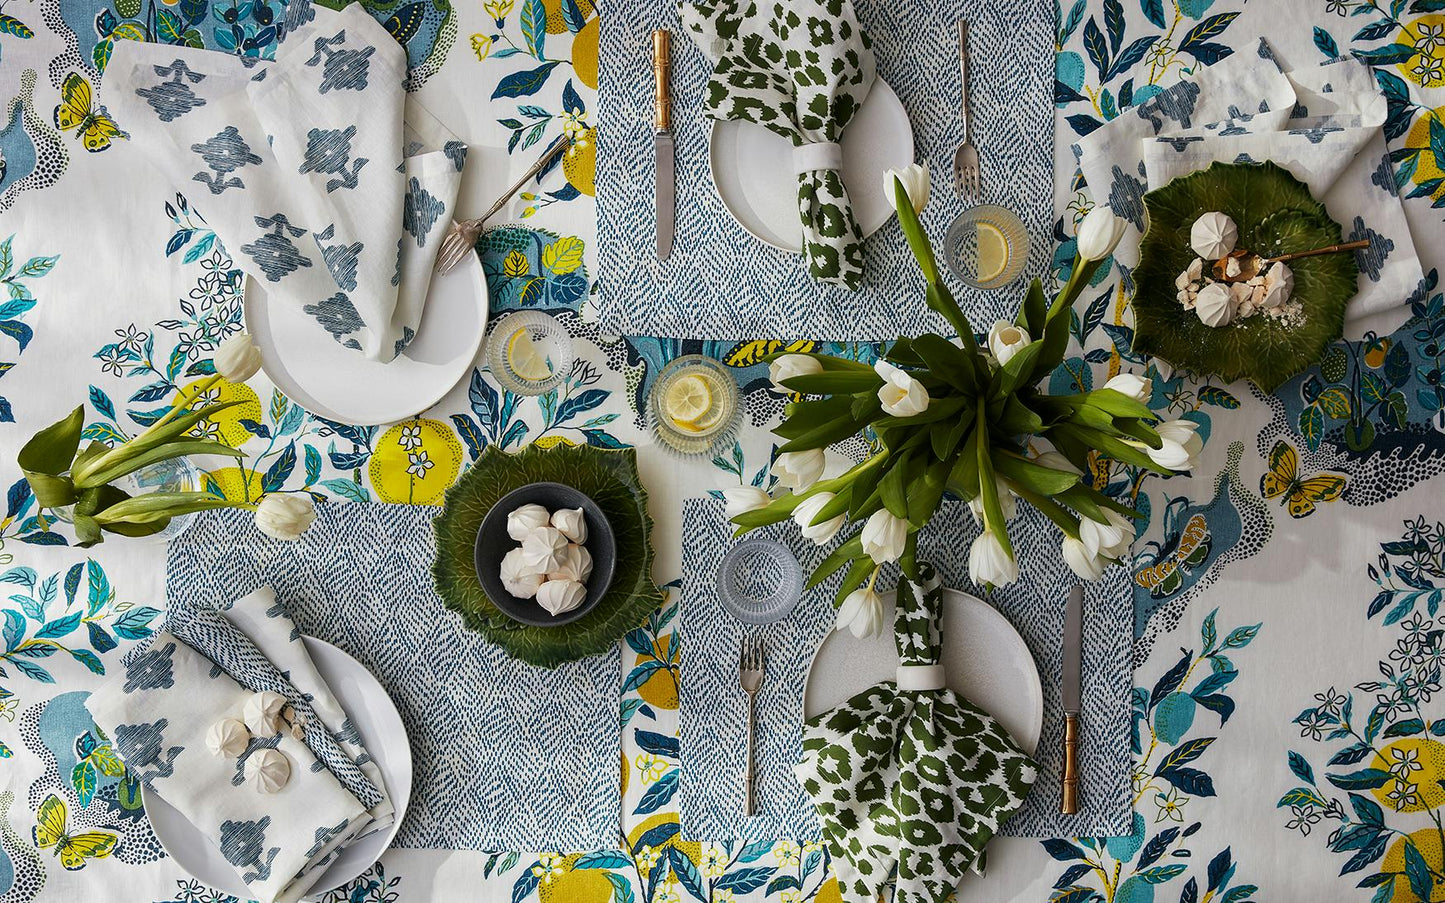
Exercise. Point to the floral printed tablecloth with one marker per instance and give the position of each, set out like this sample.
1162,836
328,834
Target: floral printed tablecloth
1288,722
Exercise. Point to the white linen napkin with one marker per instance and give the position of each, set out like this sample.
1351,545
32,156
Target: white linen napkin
1322,123
157,716
322,178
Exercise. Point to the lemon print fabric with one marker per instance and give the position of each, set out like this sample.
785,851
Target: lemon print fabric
414,462
1417,766
1426,842
579,163
225,426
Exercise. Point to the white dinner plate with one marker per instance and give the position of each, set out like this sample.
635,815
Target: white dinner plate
336,382
984,659
753,173
383,735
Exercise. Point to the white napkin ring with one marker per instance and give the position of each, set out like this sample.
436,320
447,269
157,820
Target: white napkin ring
822,155
920,678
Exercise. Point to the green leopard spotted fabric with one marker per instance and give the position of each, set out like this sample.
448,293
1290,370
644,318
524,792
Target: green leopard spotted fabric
910,786
800,68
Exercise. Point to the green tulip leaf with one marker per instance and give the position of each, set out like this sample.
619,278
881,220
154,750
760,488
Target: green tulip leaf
51,450
1276,214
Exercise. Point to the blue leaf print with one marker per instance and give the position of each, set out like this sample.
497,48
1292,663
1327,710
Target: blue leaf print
659,794
135,623
102,403
1154,12
524,84
1326,43
575,405
280,469
571,100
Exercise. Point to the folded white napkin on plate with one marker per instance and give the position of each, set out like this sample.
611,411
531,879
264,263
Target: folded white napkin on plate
157,716
322,178
1322,123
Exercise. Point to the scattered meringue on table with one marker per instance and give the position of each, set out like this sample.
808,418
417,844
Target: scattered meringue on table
552,564
1213,237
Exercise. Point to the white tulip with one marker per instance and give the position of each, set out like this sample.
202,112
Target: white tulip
1099,233
915,179
799,470
571,523
285,515
989,564
861,612
1005,340
1077,556
1056,461
901,395
1111,540
791,365
1007,502
543,549
742,499
237,359
884,536
525,519
808,509
519,578
1181,447
1139,388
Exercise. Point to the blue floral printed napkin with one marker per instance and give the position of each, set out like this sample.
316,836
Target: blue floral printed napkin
329,185
157,715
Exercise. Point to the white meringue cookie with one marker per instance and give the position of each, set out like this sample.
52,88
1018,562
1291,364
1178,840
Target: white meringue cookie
525,519
519,578
572,523
561,596
262,713
268,770
1278,286
576,565
1215,305
1213,236
1196,269
542,549
227,738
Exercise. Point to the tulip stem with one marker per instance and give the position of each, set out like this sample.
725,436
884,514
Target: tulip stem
183,403
1079,276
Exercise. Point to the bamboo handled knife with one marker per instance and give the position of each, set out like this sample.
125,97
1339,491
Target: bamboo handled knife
665,185
1069,686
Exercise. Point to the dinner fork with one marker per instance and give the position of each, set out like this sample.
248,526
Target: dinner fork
750,675
463,236
966,182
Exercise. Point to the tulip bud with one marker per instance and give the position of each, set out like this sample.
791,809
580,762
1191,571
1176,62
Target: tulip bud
861,612
901,395
742,499
808,510
884,536
1099,233
915,179
1005,340
1139,388
285,515
237,358
791,365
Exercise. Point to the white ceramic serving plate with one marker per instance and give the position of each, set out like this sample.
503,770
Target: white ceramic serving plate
753,174
984,659
384,736
337,383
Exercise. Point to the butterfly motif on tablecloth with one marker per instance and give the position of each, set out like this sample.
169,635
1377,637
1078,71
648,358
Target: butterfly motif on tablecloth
51,830
1300,494
78,111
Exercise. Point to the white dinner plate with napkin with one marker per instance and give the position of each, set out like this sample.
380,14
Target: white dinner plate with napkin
384,736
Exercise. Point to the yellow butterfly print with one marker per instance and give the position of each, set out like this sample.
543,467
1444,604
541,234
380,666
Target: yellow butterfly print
78,110
745,354
1300,495
50,831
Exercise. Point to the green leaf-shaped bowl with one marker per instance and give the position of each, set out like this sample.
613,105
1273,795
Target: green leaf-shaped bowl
609,478
1275,214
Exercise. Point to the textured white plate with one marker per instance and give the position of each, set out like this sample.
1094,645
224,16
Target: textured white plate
384,736
339,384
753,173
984,659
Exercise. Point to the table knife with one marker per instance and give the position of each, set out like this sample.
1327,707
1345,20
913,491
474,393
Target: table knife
1069,685
665,185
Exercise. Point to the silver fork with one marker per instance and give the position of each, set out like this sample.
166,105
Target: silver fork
463,236
966,182
750,675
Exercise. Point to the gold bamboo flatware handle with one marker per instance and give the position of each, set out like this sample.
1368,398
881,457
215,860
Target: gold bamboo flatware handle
1069,797
661,79
1332,249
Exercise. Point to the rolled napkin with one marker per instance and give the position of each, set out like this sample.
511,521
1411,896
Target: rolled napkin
259,646
800,68
322,178
157,716
909,779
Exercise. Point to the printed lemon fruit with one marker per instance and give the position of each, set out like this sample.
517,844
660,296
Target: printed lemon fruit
992,252
556,20
555,441
235,483
580,162
1375,352
1425,771
1427,844
660,690
830,892
584,53
414,462
524,358
227,423
575,885
688,401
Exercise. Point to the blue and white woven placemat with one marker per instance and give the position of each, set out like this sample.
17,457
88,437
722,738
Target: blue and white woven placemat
506,755
721,283
713,713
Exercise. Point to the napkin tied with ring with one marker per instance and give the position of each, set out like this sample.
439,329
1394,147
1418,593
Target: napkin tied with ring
801,69
324,181
910,780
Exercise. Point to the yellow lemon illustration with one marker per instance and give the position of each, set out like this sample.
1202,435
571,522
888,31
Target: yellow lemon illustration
225,426
414,462
1419,765
626,772
829,892
1375,352
584,53
1424,36
575,885
1429,167
1427,842
993,252
580,162
236,483
556,21
554,442
660,690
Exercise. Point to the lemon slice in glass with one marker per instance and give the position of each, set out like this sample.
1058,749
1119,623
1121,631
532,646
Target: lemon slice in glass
524,358
993,252
688,401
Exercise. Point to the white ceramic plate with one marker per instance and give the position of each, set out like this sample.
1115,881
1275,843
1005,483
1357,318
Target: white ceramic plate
753,174
984,659
384,736
339,384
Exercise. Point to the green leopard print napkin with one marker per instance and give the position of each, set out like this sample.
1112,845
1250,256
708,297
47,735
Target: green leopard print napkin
910,786
800,68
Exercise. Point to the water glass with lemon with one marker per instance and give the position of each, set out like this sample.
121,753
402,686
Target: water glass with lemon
986,246
694,404
530,353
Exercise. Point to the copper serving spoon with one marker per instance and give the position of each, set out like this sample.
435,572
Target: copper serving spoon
1252,264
